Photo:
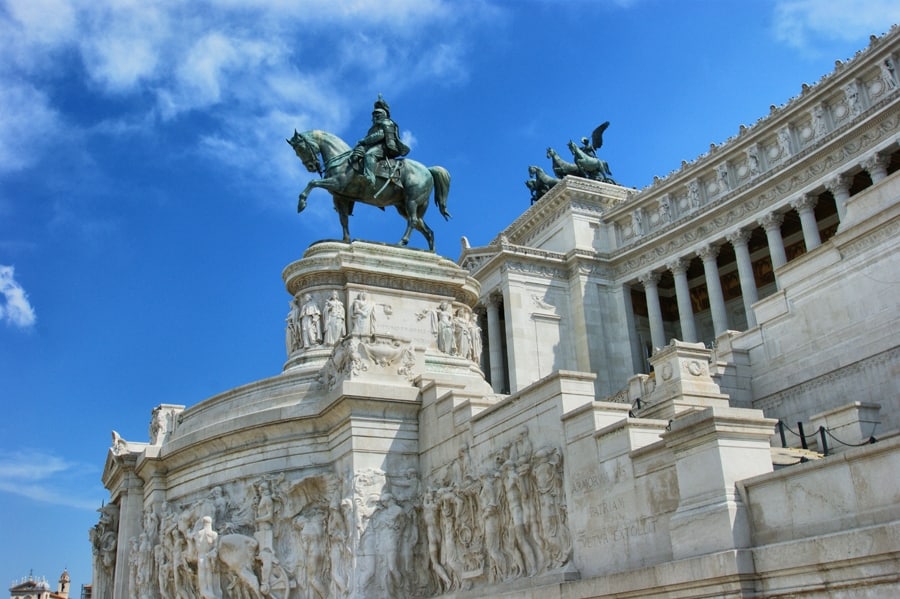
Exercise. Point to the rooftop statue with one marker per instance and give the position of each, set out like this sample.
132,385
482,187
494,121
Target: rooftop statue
373,172
586,163
540,183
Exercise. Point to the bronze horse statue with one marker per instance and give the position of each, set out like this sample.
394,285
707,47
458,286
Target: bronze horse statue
342,179
591,167
561,168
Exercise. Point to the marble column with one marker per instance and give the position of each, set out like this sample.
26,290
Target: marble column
130,495
739,240
650,281
708,254
683,295
805,207
876,165
839,186
772,225
495,343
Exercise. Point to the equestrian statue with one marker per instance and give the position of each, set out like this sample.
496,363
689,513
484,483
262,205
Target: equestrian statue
373,172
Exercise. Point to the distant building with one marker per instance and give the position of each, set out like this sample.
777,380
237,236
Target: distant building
39,588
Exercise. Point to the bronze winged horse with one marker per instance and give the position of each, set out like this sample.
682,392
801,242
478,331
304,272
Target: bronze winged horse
347,186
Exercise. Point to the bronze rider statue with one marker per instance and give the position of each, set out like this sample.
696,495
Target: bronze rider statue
381,142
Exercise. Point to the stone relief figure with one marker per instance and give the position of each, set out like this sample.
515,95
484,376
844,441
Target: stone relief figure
217,506
133,560
784,142
363,315
264,534
448,503
889,74
694,194
339,517
310,525
433,538
489,502
665,210
104,543
753,161
722,178
442,327
388,524
335,319
206,541
144,567
475,335
637,222
310,322
160,421
851,93
163,571
547,470
293,338
237,554
462,334
820,127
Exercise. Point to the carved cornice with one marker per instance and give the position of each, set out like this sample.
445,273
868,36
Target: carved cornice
736,209
572,195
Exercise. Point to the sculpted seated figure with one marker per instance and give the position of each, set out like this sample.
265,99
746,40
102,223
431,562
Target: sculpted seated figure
381,142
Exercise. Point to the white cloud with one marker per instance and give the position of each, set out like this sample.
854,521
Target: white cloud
45,477
800,23
255,69
14,306
27,122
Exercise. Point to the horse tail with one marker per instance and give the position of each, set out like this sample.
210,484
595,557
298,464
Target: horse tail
441,188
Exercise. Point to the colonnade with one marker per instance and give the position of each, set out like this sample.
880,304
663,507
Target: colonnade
804,205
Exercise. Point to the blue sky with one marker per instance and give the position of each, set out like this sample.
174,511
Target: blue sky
147,196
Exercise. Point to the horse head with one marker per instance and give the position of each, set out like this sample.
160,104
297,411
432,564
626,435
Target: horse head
532,170
551,152
306,151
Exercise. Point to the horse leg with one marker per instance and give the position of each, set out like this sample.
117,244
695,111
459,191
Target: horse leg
343,209
329,184
419,220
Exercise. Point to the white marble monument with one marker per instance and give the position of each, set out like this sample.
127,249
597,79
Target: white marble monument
588,406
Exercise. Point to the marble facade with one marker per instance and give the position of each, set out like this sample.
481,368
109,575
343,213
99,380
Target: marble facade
586,407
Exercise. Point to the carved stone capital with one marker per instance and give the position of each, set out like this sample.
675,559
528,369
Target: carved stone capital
805,202
649,279
838,184
708,252
771,221
678,266
876,164
739,237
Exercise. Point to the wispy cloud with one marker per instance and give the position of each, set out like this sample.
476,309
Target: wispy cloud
26,123
14,306
48,478
801,23
243,63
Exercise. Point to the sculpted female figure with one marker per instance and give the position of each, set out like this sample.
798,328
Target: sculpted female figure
335,319
363,315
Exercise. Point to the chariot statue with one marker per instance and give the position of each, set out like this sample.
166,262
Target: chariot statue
586,164
375,171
